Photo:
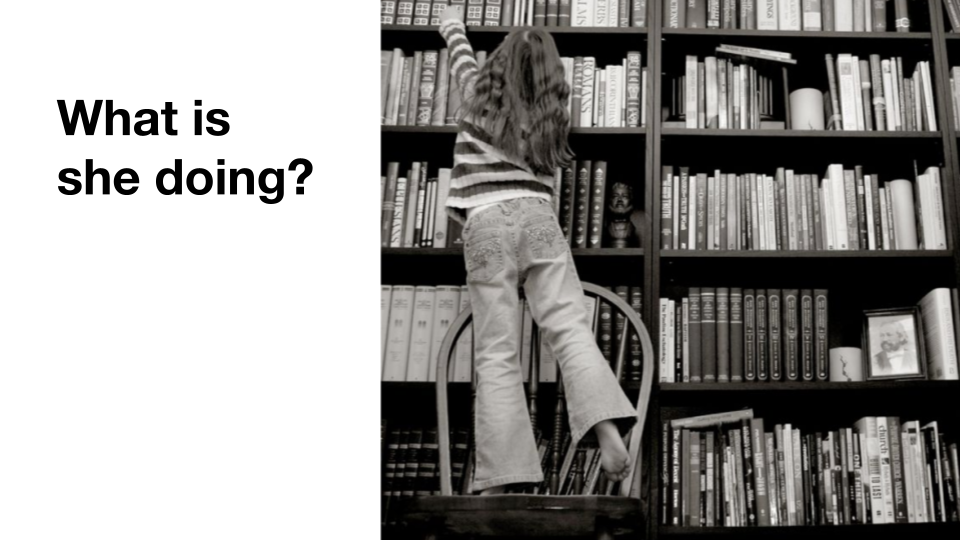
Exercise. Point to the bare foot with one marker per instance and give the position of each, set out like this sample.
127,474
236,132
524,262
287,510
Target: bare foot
495,490
614,457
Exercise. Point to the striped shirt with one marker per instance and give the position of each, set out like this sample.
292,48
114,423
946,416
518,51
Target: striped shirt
482,173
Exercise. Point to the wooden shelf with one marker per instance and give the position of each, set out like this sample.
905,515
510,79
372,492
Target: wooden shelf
908,530
458,252
791,34
810,386
636,131
580,30
418,129
791,133
896,254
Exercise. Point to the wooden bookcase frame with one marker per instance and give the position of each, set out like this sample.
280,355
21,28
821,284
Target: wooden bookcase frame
401,265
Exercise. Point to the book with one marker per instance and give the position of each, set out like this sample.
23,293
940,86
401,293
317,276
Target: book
940,342
398,335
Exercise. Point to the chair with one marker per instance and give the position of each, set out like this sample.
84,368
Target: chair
537,515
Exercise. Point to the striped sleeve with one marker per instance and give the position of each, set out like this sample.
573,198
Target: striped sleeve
463,63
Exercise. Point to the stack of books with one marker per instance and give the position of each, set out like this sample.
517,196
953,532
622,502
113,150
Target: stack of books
413,212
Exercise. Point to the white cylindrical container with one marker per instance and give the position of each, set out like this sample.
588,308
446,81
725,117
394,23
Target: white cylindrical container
806,109
846,364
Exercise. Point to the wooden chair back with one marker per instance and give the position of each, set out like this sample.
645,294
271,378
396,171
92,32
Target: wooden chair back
632,321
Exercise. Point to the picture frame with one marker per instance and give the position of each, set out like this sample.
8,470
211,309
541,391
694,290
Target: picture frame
893,345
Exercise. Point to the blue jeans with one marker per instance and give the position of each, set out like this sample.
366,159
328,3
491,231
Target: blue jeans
519,243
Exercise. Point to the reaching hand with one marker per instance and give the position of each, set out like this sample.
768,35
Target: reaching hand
450,13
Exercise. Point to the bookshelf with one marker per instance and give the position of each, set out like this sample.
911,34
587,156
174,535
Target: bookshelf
858,280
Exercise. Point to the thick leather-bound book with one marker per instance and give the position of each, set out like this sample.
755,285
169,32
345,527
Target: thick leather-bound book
636,351
736,334
820,344
634,88
763,364
806,334
708,333
564,13
773,334
540,13
749,335
568,188
696,363
791,343
553,13
598,191
581,208
723,334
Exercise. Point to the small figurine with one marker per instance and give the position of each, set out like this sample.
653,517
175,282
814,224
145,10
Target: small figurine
622,231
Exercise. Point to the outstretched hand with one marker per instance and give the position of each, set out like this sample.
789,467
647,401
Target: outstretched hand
451,12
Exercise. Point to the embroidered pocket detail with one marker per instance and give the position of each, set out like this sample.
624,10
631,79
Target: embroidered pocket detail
484,257
545,238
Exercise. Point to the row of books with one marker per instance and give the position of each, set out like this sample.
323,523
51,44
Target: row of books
410,463
728,470
584,13
846,210
719,93
808,15
731,334
900,103
418,90
414,321
413,212
582,197
613,96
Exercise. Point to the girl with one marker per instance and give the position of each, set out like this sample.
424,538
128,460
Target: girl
512,137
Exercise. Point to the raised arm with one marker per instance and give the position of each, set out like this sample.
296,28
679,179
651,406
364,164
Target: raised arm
463,63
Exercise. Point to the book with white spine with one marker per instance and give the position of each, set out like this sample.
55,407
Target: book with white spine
446,309
939,335
418,359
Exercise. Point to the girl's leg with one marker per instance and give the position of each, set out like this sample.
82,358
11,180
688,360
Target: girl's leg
506,452
553,290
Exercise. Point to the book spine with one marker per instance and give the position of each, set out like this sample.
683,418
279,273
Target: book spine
696,363
723,334
676,478
553,13
749,335
633,89
597,204
582,204
708,334
568,188
791,334
761,332
666,208
811,15
736,335
767,15
749,475
748,16
901,16
774,336
684,228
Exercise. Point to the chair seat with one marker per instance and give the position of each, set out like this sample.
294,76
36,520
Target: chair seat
524,515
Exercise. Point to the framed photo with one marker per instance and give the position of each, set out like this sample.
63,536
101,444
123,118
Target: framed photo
893,344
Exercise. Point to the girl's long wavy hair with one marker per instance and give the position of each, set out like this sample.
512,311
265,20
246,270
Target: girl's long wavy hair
521,86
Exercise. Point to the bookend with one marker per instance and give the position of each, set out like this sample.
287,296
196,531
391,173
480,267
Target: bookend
516,515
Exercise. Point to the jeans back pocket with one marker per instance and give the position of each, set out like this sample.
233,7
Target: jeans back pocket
484,254
544,238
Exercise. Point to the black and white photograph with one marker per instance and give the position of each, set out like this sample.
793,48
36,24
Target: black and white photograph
894,344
